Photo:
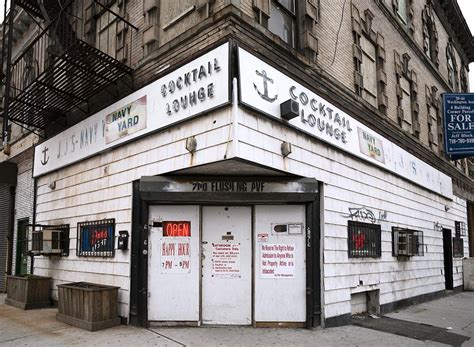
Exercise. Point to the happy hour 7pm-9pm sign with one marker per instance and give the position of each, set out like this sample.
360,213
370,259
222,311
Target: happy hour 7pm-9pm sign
458,111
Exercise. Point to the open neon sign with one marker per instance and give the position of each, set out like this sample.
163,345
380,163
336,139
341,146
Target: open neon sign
174,229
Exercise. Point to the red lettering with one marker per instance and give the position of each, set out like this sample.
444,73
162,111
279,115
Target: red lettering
186,229
174,229
99,235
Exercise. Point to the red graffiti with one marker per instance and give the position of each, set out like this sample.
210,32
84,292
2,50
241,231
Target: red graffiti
359,241
99,235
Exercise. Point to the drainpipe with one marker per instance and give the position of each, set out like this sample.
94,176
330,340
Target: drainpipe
11,231
35,188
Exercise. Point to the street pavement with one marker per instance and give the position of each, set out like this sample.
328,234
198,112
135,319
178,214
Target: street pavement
453,314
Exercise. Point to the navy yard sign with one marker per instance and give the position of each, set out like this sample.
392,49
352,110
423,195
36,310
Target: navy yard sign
458,112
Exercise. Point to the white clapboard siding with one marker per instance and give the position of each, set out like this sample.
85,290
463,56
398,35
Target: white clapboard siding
351,182
101,187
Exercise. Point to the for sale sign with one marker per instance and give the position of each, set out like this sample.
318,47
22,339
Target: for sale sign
458,111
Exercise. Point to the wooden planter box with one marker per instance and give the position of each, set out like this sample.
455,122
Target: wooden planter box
28,291
88,306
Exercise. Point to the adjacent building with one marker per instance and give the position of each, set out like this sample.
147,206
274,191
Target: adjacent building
266,163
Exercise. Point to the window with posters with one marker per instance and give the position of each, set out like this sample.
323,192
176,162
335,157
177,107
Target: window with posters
364,240
96,238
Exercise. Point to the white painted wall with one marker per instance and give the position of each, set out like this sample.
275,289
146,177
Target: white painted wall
351,182
101,187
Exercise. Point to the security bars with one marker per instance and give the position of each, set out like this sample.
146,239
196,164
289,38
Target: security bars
96,238
407,242
364,240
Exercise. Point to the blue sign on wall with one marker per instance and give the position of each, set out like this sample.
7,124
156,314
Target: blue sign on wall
458,115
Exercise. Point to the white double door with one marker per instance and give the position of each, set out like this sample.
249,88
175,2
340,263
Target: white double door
225,258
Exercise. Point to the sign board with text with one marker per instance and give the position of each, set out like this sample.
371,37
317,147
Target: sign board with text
199,86
226,260
175,255
458,115
277,261
264,87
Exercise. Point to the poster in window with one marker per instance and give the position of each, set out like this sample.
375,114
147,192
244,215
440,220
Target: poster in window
364,239
96,239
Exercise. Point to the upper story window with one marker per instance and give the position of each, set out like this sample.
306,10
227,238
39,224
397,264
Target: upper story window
433,118
452,67
293,22
407,95
278,16
282,21
370,78
430,34
151,31
464,81
403,10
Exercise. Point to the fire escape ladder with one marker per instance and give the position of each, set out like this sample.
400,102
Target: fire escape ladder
67,63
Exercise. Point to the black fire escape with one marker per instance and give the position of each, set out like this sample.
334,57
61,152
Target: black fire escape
82,48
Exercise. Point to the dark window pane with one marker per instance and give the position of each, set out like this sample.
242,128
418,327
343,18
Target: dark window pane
288,4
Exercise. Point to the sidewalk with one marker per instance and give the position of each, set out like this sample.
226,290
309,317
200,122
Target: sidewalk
40,328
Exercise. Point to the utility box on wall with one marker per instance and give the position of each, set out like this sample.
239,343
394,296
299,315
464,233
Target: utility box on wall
468,269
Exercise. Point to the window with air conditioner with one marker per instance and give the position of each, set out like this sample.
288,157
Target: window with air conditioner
407,242
50,240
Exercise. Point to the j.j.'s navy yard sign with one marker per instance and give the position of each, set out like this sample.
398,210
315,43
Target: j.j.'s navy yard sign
458,111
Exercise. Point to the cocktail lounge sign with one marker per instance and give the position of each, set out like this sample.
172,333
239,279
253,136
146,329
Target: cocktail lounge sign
264,88
198,86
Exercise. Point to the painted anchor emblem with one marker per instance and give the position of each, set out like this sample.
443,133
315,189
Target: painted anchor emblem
266,79
45,159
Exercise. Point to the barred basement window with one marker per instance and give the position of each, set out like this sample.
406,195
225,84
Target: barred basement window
364,240
407,242
96,239
458,247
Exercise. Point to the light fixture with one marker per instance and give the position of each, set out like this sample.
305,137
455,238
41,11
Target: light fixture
285,149
191,144
289,109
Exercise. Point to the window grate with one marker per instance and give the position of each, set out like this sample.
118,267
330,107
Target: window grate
364,240
460,228
58,239
458,247
407,242
96,238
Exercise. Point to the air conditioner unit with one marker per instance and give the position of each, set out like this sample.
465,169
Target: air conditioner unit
47,241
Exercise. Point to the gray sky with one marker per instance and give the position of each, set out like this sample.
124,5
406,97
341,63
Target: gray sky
467,7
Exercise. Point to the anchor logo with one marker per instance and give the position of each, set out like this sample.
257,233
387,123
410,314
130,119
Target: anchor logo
266,79
45,159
